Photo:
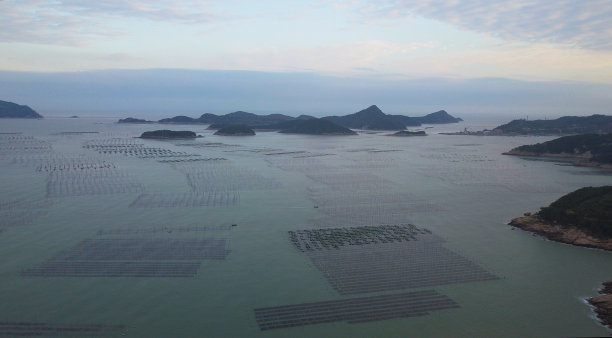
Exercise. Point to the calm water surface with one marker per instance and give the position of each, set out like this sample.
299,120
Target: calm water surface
60,191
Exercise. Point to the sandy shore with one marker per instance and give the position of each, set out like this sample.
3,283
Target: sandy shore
564,234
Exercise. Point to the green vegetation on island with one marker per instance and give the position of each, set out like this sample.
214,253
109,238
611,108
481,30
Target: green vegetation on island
168,134
582,217
587,208
596,149
15,111
235,130
313,127
597,124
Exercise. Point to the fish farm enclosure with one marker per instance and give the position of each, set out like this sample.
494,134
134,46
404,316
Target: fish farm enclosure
105,234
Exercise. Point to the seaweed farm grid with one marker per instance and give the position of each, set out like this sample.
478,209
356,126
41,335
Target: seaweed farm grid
113,269
31,329
354,310
384,258
188,199
132,258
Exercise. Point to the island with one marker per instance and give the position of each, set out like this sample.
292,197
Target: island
133,120
589,149
603,304
12,110
582,218
235,118
168,134
313,127
594,124
235,130
371,118
406,133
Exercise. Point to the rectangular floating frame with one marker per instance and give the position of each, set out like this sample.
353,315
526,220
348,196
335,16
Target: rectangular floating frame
354,310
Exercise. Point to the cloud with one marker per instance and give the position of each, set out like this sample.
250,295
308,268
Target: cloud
584,24
70,22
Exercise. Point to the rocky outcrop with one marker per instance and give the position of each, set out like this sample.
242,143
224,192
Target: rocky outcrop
561,233
603,304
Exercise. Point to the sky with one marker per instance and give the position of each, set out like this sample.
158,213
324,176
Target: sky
160,57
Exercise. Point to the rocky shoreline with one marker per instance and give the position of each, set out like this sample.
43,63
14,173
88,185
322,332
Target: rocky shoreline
564,234
603,304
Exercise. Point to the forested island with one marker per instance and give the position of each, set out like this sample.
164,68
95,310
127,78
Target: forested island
589,149
12,110
168,134
235,130
371,118
582,217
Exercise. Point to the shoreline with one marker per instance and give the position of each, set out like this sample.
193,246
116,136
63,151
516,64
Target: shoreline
582,160
564,234
603,304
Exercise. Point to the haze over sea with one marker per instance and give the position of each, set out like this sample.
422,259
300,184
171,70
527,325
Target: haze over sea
277,235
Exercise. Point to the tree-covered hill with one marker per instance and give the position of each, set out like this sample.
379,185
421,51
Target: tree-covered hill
595,147
587,208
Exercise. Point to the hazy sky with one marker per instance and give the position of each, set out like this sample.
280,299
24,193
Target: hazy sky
539,50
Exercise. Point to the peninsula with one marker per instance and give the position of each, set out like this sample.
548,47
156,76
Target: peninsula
168,134
235,130
566,125
588,149
12,110
582,218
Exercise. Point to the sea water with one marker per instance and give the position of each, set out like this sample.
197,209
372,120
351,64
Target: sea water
60,191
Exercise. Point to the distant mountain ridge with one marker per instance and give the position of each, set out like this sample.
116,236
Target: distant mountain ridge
371,118
16,111
439,117
594,124
235,118
313,126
